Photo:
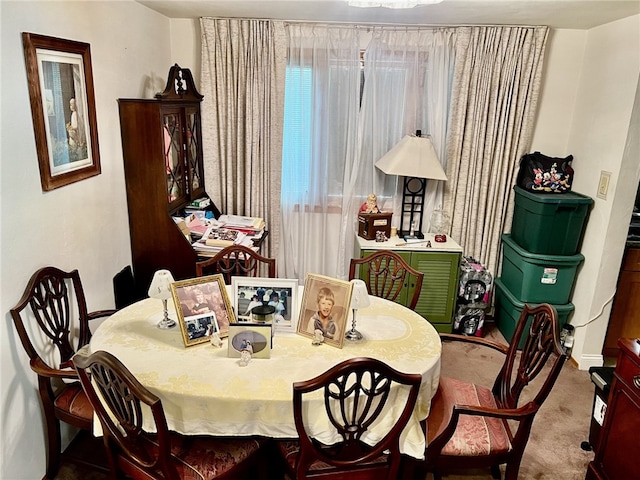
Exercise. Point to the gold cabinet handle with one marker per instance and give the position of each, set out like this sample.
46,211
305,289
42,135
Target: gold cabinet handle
636,381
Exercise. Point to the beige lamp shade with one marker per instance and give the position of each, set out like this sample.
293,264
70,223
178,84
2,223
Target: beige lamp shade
412,156
359,294
160,287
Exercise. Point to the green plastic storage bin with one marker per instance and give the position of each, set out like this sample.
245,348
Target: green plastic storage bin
538,278
549,223
508,309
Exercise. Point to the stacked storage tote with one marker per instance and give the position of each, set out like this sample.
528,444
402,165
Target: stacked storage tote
540,256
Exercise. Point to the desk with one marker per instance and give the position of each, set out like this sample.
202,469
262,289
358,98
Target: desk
205,392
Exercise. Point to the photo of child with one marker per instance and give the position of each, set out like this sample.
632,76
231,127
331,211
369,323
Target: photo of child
322,319
324,309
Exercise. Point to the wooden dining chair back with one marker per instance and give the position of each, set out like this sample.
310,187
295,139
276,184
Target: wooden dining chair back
357,395
471,426
237,260
52,322
121,404
387,274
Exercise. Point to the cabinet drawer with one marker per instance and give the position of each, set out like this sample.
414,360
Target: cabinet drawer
629,373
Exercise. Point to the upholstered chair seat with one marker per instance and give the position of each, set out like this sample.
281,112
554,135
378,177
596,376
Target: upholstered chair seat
474,435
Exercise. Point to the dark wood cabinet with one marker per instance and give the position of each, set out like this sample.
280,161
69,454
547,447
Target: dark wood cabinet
618,448
625,313
161,146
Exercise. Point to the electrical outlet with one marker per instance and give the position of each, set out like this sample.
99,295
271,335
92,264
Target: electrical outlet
603,185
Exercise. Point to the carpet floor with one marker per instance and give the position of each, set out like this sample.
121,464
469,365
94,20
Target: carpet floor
553,450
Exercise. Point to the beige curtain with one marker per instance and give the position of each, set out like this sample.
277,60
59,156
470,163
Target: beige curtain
243,75
496,86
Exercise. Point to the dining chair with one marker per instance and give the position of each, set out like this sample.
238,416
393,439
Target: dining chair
237,260
121,401
387,274
356,392
471,426
49,335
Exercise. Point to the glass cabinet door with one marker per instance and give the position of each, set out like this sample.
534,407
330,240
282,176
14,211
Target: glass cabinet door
172,135
194,155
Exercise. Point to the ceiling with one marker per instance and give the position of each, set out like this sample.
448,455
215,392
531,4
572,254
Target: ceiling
578,14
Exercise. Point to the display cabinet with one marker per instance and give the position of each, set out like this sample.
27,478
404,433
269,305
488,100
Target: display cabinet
161,147
624,321
618,448
440,264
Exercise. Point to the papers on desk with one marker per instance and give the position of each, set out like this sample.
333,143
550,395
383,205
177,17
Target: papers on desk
254,224
216,238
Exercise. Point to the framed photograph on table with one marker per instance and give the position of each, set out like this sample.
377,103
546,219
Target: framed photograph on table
251,337
63,109
325,307
203,308
250,292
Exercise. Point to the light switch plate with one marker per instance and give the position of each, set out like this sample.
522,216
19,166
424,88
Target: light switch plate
603,185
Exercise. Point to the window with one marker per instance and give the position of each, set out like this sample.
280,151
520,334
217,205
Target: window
318,123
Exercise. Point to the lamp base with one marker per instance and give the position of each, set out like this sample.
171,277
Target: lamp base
166,323
353,335
406,235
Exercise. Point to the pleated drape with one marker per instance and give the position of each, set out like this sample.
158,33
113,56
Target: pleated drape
496,87
243,77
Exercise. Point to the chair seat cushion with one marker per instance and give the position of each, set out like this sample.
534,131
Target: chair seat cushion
199,457
474,435
72,400
289,450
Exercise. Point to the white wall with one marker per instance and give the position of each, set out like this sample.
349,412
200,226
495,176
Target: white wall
602,137
586,102
83,225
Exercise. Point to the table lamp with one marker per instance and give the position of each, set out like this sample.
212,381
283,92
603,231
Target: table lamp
359,299
416,160
160,288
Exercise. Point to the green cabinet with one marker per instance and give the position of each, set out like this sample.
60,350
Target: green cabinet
441,268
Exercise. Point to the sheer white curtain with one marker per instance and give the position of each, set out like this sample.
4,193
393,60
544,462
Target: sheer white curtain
331,145
320,138
408,76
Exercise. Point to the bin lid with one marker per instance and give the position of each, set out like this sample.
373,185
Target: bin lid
575,259
562,308
602,377
553,198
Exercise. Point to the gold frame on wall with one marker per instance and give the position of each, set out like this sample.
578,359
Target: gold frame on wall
63,109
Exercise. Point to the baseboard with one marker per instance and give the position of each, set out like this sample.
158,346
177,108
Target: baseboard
589,360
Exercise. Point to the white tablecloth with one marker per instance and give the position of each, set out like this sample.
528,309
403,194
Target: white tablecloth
205,392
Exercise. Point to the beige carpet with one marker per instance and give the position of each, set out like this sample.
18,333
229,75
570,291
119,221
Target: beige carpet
553,451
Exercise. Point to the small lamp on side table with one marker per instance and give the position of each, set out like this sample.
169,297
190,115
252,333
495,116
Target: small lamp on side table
415,159
160,288
359,299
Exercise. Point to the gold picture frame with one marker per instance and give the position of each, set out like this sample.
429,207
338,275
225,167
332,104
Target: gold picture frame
317,289
203,308
62,108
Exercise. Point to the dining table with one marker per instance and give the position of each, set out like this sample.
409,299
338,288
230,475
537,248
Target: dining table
206,392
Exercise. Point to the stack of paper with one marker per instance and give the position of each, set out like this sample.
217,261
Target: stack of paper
246,224
216,238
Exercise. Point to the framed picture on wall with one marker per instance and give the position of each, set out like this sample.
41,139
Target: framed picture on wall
325,307
63,109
